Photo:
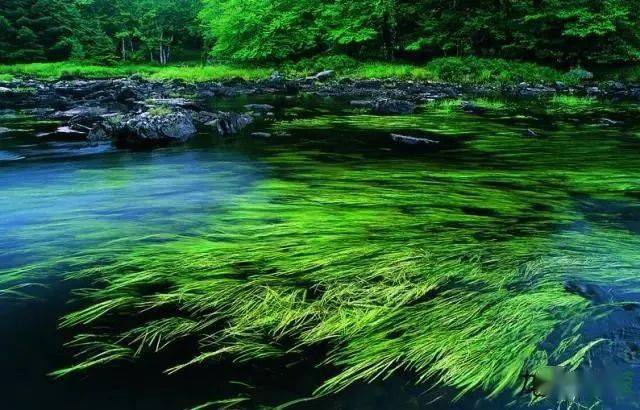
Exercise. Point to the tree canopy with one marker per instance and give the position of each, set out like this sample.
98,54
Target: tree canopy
558,32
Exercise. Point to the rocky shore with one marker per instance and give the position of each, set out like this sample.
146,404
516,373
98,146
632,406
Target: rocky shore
133,112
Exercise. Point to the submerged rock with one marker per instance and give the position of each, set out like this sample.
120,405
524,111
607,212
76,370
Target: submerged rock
261,134
471,108
391,106
416,141
610,122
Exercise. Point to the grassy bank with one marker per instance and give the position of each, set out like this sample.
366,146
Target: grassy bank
454,70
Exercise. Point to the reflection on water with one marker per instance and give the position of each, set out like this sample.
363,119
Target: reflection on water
496,252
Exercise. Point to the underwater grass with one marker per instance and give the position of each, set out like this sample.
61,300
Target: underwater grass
452,271
344,264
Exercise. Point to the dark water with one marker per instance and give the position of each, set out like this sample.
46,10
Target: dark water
570,191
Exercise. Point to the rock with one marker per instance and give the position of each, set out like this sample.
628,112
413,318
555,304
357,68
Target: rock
172,102
275,80
362,103
64,133
530,133
322,75
136,77
391,106
127,95
82,114
263,108
471,108
580,74
282,134
4,130
261,134
146,130
230,122
100,133
610,122
203,117
408,140
593,91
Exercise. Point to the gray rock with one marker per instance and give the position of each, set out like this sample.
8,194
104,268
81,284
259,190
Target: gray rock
172,102
323,75
230,122
391,106
4,130
610,122
261,134
100,133
471,108
408,140
146,130
263,108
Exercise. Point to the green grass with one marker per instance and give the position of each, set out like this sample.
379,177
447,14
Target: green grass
570,101
52,71
160,111
464,71
6,77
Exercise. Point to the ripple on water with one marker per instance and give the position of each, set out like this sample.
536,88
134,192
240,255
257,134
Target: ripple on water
9,156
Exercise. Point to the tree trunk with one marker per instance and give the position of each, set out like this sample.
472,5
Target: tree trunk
124,51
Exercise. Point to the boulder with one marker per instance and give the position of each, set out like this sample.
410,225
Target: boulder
230,122
146,130
391,106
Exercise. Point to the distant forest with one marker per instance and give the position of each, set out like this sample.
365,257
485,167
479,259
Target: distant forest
556,32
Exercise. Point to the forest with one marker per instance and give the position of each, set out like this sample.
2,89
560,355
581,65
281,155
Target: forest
559,33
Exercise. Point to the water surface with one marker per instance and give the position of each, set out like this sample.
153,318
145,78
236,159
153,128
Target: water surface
538,232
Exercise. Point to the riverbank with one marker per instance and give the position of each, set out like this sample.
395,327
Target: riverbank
463,71
138,113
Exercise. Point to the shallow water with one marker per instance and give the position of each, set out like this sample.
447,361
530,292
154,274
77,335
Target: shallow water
333,193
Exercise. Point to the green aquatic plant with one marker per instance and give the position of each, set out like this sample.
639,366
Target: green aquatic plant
392,277
572,101
453,271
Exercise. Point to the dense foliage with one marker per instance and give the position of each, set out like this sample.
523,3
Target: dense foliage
559,32
99,30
